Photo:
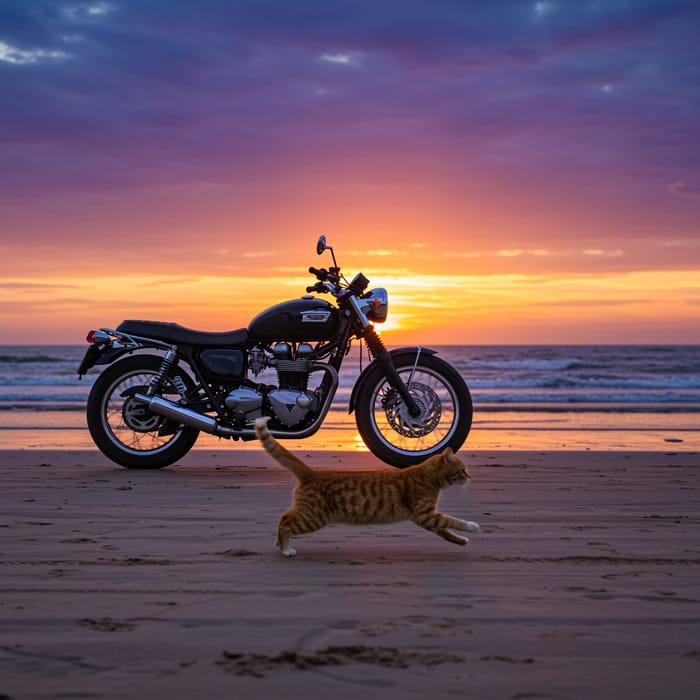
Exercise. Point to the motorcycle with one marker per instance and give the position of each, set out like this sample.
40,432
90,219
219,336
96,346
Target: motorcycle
166,383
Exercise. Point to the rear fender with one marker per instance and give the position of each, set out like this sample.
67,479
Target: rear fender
397,353
99,355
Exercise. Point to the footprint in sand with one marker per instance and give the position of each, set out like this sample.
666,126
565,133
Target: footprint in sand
107,624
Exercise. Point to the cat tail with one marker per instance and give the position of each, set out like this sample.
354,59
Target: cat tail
282,455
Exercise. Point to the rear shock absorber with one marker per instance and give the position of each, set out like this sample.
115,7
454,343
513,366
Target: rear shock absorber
168,362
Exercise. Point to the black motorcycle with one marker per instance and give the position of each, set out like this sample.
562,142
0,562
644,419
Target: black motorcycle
146,410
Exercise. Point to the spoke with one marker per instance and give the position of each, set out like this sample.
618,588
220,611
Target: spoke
438,412
131,438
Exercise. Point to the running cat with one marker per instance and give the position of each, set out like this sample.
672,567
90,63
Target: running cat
367,497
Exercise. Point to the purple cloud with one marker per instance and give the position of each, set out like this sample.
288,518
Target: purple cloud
683,190
120,94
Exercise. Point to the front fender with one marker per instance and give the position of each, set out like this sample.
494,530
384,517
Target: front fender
395,354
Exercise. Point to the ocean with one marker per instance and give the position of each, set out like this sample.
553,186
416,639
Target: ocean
597,397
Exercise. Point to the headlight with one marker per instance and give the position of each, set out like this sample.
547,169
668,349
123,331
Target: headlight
375,305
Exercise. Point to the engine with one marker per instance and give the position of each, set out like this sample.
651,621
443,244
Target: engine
245,402
291,401
290,407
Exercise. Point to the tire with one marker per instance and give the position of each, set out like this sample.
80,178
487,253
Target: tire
396,438
149,441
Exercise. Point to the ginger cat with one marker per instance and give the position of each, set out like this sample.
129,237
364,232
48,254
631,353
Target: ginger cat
370,497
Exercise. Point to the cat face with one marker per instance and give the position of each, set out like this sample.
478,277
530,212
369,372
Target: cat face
452,469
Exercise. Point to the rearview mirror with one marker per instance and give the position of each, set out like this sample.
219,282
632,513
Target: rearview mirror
321,245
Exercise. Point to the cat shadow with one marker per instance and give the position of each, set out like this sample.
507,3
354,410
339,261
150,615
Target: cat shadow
360,555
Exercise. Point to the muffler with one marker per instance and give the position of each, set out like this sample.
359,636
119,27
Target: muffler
206,424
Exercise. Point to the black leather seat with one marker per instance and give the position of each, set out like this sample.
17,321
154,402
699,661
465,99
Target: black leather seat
175,333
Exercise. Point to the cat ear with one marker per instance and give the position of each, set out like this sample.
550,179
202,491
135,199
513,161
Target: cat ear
447,454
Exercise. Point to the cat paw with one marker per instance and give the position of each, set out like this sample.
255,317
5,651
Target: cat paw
461,541
472,526
289,552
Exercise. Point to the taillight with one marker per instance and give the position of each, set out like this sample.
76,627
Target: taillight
97,337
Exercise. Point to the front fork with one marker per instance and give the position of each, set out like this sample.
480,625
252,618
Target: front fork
381,354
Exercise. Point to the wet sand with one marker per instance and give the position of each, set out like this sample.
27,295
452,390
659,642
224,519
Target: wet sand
583,583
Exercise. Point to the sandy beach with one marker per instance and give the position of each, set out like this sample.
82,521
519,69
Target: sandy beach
583,583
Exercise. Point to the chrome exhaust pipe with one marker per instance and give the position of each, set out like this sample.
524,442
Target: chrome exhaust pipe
206,424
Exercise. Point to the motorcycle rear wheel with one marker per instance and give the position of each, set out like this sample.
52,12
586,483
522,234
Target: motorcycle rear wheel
392,434
127,432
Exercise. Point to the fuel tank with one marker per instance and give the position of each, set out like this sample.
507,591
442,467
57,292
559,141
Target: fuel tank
302,319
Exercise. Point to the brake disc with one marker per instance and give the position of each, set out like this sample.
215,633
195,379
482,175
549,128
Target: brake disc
403,422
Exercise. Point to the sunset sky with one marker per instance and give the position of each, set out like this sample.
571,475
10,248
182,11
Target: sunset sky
512,172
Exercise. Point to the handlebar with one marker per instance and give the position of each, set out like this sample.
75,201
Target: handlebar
329,281
321,274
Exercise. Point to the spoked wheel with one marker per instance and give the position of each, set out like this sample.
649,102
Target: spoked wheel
124,429
396,437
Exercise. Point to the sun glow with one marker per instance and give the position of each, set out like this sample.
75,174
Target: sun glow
138,183
422,308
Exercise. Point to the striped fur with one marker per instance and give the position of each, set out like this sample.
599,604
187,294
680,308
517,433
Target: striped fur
326,496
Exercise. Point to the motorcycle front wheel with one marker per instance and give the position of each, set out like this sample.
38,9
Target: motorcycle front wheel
124,430
396,437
